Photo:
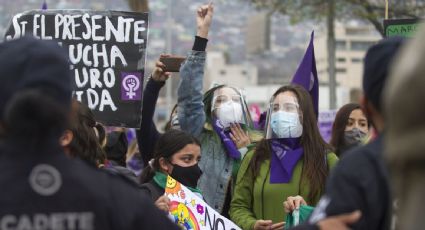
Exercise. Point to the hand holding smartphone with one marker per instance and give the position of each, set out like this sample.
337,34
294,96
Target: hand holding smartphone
172,63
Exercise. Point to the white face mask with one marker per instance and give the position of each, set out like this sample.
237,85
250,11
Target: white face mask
286,125
175,122
229,112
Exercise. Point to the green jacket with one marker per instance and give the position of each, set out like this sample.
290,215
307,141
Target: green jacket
257,199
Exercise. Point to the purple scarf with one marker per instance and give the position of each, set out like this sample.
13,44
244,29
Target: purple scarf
224,135
286,152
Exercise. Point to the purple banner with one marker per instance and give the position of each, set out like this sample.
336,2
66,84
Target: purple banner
326,120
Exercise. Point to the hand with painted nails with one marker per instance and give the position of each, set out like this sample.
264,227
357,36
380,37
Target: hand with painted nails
159,74
239,136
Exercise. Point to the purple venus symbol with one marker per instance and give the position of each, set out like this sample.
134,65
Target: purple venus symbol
130,86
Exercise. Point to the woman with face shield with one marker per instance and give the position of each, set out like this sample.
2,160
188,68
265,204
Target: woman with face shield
230,119
292,160
350,128
222,122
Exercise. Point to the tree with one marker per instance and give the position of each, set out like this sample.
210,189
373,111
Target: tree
368,10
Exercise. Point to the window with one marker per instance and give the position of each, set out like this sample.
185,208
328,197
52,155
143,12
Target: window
361,46
341,45
341,70
356,60
341,60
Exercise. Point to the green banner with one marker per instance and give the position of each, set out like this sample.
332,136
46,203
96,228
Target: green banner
401,27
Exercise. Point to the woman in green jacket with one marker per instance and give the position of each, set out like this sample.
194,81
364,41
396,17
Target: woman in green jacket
291,160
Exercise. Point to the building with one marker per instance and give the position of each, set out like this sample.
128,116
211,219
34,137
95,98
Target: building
352,41
218,71
258,33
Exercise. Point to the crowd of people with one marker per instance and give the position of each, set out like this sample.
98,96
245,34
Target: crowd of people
61,169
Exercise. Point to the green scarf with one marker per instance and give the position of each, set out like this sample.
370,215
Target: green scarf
161,179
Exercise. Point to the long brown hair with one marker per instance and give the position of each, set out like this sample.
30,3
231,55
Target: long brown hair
315,169
338,127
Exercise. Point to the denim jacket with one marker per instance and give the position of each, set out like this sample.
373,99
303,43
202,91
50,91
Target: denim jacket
215,163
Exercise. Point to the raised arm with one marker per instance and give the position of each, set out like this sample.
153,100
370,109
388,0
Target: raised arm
189,96
148,134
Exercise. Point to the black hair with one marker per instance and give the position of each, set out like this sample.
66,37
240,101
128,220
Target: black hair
168,144
116,147
85,144
101,133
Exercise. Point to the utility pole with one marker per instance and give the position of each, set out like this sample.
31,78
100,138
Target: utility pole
169,85
331,53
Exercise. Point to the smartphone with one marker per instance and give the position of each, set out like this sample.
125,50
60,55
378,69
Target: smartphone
172,63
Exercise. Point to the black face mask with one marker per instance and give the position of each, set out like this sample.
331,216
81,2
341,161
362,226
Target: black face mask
188,176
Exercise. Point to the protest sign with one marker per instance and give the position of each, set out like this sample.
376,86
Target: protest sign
401,27
107,51
189,211
325,122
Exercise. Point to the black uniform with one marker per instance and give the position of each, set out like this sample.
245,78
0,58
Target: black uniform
358,182
152,189
47,190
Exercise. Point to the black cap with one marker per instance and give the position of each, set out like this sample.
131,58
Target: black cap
28,63
377,64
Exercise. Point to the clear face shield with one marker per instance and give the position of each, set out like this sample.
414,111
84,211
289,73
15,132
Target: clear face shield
284,117
229,106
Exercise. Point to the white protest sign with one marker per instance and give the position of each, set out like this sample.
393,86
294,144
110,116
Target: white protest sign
189,211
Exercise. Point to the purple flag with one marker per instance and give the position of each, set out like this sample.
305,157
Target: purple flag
44,5
306,75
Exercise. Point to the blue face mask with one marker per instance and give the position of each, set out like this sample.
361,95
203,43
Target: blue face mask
286,125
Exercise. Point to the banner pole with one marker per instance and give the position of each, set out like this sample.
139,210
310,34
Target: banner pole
386,9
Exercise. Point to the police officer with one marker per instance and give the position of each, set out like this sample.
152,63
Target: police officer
40,187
